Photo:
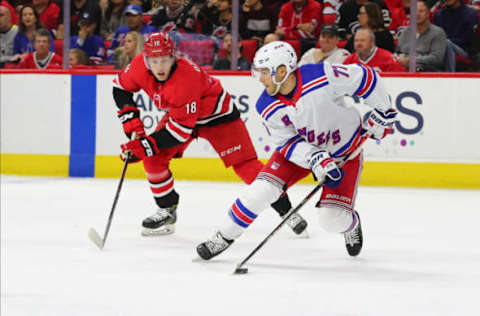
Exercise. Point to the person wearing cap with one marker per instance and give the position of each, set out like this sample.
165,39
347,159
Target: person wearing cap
93,45
134,17
77,8
328,50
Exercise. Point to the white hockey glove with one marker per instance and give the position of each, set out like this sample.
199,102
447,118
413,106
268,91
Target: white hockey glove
379,124
323,167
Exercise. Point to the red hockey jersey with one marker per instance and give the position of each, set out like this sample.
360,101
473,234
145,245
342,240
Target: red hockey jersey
190,95
380,60
289,18
30,61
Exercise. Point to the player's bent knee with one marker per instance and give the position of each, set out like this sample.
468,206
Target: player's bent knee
260,194
335,220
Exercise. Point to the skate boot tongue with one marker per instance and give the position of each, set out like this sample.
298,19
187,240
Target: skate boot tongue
162,222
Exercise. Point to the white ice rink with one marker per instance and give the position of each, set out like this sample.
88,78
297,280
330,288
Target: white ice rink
421,254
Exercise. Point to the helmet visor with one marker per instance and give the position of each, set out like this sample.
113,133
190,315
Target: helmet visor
260,73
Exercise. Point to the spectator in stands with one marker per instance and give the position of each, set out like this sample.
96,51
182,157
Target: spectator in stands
370,16
13,14
348,14
48,11
77,8
272,37
368,54
78,59
132,46
459,22
112,18
172,17
300,19
42,57
216,17
431,43
330,10
8,31
400,18
225,62
93,45
256,20
28,25
328,50
146,5
134,16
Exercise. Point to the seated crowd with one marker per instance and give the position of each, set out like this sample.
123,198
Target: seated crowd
109,33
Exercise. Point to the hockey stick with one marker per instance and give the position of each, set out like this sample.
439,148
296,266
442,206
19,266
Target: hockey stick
92,233
239,269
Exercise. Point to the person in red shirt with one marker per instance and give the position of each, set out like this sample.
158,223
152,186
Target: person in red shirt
42,57
48,12
300,19
196,105
368,54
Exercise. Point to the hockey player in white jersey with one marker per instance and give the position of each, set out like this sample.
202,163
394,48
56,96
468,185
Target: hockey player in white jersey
312,129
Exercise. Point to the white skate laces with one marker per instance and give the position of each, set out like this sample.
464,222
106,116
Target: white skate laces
217,243
294,220
352,237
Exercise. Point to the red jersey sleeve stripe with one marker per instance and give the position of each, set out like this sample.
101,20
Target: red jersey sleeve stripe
178,131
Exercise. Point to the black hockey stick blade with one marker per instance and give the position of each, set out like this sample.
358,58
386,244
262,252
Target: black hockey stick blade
95,238
240,270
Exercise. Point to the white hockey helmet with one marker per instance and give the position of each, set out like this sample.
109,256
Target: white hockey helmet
272,56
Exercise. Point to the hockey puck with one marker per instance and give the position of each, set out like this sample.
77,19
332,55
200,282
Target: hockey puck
241,271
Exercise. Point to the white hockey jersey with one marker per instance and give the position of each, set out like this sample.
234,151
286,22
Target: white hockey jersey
316,116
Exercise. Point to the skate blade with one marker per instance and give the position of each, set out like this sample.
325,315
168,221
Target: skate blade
304,235
162,231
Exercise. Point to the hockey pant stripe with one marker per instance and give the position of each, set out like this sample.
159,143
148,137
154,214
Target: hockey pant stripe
335,203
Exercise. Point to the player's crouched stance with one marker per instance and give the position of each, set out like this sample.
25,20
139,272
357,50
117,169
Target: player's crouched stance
196,105
312,129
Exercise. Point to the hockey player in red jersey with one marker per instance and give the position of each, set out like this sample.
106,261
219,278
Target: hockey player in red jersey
196,105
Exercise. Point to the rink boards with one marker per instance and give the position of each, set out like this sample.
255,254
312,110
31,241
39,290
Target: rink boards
65,124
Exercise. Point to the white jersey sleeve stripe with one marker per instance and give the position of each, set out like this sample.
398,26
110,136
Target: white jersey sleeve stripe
271,109
369,80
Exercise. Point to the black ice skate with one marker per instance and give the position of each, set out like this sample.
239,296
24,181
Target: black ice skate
160,223
213,247
354,239
297,223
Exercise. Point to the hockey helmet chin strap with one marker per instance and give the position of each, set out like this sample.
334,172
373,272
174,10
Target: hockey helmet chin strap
278,85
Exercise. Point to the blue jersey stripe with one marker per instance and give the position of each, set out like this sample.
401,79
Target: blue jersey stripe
374,83
292,148
364,78
347,145
275,109
314,88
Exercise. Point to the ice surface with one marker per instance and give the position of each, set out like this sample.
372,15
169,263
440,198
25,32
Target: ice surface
421,254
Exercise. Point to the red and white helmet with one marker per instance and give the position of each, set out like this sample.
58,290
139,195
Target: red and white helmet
158,44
